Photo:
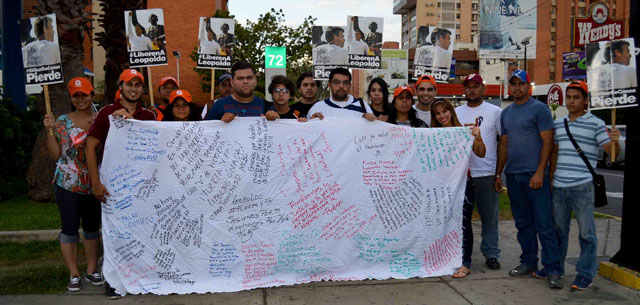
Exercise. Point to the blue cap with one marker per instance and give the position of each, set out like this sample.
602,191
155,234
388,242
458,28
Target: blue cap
224,77
521,74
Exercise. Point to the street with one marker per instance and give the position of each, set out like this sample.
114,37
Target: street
614,179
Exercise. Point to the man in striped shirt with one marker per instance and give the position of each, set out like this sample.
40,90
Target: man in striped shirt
573,188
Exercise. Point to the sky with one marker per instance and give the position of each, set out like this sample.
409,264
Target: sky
328,12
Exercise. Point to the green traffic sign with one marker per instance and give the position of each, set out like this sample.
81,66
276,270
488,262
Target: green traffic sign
275,57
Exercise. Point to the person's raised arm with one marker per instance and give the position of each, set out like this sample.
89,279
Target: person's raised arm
99,190
53,144
479,149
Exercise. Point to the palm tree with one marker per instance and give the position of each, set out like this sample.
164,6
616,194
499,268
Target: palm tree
72,24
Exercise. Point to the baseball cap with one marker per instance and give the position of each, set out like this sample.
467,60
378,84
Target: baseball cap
521,74
129,74
166,79
399,91
180,93
473,77
80,84
426,78
579,85
224,77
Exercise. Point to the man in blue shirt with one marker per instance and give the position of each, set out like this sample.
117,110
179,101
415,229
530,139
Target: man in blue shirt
242,102
525,146
573,188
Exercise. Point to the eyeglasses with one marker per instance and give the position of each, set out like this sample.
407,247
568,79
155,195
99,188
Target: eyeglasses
281,90
336,82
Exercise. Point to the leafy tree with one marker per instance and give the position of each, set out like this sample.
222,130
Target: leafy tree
268,30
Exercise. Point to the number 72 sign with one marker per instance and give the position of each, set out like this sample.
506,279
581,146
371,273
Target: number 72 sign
275,57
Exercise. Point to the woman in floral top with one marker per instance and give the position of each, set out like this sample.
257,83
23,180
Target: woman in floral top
72,185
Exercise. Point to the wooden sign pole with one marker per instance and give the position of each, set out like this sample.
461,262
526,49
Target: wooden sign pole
151,101
213,82
613,126
47,104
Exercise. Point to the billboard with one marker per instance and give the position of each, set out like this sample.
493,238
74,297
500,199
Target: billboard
505,26
394,69
574,65
596,27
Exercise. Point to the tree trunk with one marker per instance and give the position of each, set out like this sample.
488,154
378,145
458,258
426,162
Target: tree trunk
42,167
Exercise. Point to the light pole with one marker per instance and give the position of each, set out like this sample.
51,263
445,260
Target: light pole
525,42
176,53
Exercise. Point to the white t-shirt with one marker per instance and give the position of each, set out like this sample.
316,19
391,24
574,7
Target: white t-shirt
40,53
358,47
138,43
489,129
343,110
209,47
423,115
331,54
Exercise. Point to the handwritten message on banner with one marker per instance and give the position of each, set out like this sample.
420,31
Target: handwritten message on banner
214,207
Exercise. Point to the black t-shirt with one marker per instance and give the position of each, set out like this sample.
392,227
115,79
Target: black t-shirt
378,113
302,108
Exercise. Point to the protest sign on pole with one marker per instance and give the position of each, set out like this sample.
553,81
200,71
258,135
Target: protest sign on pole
574,65
394,69
216,40
146,39
503,27
434,52
40,50
364,41
275,63
207,206
611,74
329,50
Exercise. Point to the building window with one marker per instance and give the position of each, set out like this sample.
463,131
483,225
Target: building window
458,37
439,4
553,23
471,38
413,18
457,26
581,11
458,16
458,5
474,6
553,36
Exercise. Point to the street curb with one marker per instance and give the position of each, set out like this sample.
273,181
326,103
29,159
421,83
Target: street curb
619,274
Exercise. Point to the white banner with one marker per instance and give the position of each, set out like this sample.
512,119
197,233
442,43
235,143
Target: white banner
214,207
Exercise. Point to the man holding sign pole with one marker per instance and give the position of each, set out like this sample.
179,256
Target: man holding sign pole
573,188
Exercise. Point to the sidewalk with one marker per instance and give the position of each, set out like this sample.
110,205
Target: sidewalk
482,286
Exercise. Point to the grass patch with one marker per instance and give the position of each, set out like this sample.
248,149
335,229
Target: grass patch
20,213
35,267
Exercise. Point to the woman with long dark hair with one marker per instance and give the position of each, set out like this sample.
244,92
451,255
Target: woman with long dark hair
181,107
72,183
378,93
443,115
402,111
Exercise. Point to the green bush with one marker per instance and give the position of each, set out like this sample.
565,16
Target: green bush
18,132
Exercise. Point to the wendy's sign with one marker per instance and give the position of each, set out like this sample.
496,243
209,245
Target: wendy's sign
597,26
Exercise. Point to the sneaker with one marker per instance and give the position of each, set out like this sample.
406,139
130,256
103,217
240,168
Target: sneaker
94,278
493,263
74,284
110,292
541,274
581,283
554,281
522,270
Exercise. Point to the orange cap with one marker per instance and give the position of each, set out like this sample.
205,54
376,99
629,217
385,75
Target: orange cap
399,91
428,79
180,93
166,79
129,74
80,84
579,85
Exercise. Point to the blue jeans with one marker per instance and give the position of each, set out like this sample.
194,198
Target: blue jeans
531,211
487,202
467,231
578,199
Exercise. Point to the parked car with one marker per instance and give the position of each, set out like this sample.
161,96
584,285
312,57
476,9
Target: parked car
603,157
